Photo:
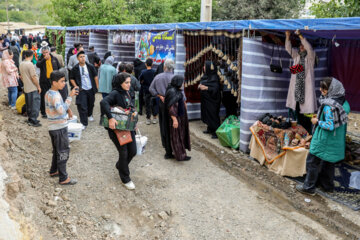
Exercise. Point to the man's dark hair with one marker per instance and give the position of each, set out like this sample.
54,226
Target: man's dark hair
97,60
119,79
149,62
53,49
79,53
28,53
13,43
55,76
122,67
76,45
325,83
91,48
129,68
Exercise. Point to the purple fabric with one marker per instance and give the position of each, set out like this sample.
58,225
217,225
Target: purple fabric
345,66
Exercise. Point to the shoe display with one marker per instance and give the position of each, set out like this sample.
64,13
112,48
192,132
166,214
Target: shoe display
91,118
148,121
130,185
300,188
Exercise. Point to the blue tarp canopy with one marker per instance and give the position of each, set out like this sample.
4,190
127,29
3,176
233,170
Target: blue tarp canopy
345,28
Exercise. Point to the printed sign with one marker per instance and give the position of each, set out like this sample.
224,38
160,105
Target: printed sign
158,46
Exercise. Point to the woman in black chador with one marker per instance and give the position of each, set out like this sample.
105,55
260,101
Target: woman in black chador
210,99
179,124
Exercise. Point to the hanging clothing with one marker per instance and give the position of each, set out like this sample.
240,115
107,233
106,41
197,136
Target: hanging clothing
309,104
174,102
211,98
9,71
300,80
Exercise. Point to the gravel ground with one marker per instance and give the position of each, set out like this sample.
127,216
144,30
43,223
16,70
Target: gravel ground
199,199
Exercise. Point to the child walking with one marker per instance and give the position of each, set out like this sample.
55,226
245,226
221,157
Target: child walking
56,111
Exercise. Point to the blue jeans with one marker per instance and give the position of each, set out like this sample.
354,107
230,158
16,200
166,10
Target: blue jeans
12,95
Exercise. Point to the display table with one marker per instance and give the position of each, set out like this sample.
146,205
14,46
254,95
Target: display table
291,161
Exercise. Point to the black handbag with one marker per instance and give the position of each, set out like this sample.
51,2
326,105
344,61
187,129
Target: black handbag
273,67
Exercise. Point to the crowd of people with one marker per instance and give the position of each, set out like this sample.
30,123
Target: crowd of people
160,91
162,94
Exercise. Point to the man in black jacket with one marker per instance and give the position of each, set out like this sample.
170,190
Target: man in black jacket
138,67
84,76
45,72
91,55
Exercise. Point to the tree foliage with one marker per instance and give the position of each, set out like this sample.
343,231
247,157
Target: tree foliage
260,9
88,12
336,8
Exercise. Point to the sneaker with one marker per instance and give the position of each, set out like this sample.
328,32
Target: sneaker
37,124
130,185
83,127
91,118
13,108
148,121
44,116
155,121
300,188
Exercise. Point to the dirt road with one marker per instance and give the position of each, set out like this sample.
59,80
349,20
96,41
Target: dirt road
173,200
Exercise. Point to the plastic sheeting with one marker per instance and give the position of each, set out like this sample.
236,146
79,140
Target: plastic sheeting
266,24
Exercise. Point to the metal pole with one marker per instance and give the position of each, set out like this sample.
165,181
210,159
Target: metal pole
7,14
206,11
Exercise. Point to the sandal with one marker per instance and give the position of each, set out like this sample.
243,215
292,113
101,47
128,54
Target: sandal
72,181
55,174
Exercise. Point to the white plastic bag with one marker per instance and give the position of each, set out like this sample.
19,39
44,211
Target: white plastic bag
140,143
355,180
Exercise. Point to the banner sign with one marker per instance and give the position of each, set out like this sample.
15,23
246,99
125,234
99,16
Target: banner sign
124,38
158,46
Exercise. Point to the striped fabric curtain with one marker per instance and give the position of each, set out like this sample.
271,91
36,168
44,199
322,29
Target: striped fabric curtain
263,91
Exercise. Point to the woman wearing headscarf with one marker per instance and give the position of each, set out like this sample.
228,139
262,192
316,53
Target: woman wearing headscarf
328,142
10,75
210,99
106,74
107,54
120,97
25,48
301,95
69,54
179,124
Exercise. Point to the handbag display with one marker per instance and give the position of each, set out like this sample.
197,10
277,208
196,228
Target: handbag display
124,137
273,67
296,69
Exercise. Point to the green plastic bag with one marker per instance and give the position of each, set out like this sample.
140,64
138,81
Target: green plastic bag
229,132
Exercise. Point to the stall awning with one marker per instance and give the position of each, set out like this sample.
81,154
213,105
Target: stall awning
351,26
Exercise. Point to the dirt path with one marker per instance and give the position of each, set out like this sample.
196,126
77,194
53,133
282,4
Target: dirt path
187,200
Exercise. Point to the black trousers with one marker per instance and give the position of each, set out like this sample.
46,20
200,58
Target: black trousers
141,100
45,86
64,92
32,100
303,120
319,173
164,128
229,102
151,105
61,151
85,105
126,154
